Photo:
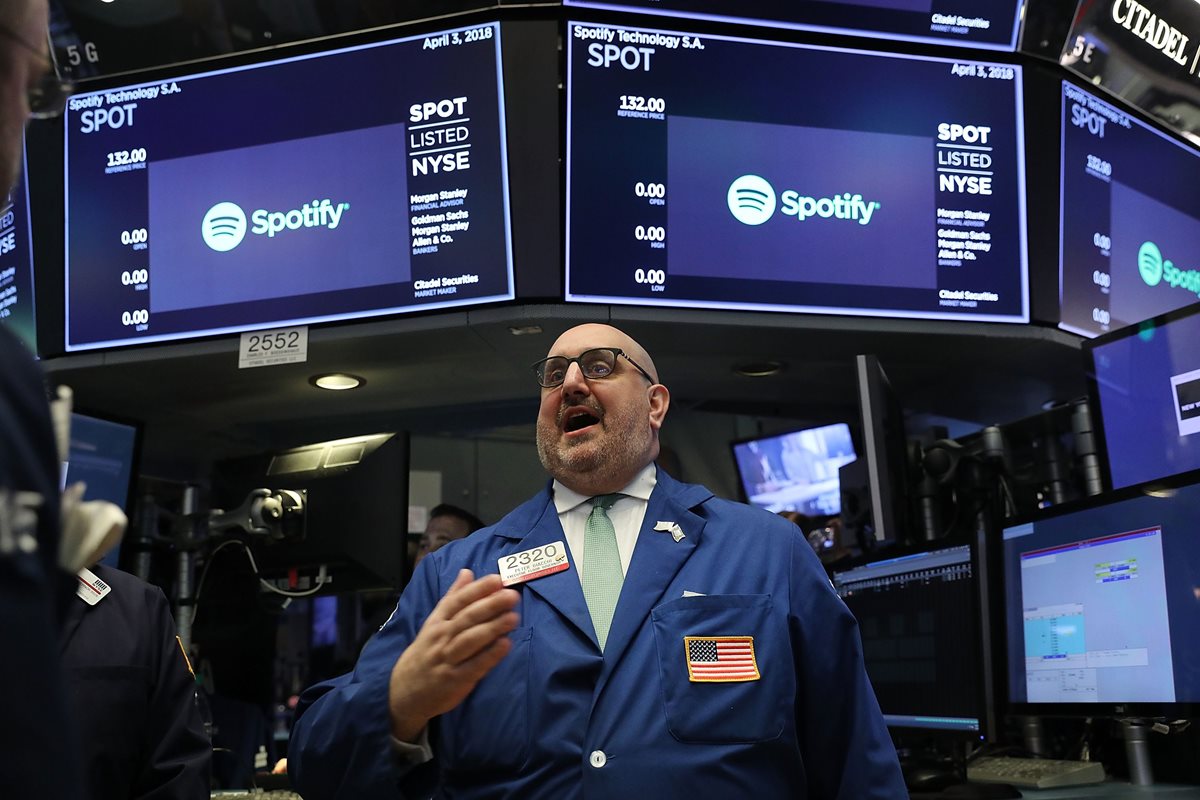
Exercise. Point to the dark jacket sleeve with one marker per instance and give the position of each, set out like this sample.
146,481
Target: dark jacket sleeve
38,756
845,744
179,754
341,746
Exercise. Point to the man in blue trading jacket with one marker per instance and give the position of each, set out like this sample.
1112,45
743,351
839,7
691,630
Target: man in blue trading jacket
727,669
133,693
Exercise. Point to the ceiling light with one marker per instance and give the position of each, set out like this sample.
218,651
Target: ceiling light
759,369
337,381
524,330
1163,492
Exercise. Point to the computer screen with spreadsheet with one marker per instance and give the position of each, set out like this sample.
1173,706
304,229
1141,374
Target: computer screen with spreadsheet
1099,603
923,630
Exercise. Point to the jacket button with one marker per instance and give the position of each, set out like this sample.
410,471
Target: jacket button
598,759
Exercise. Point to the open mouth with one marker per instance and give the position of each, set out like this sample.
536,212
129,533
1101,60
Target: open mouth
578,419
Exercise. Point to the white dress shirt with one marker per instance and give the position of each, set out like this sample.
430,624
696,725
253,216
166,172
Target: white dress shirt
626,514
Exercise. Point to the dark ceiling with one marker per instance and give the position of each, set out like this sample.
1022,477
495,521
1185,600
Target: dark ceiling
466,373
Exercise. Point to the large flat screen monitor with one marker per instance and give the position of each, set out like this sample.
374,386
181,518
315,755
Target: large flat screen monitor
1129,217
1145,380
923,627
989,24
708,171
344,184
1100,607
795,471
16,264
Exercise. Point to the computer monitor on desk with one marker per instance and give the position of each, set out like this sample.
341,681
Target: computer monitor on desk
1100,605
923,620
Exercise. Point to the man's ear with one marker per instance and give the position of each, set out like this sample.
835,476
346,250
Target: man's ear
660,401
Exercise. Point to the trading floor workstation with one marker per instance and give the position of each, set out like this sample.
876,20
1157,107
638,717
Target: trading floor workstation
923,277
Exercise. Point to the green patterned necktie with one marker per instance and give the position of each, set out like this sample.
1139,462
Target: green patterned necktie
602,576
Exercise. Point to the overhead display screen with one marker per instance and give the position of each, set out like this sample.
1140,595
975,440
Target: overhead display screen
16,265
863,184
990,24
1146,381
1130,218
353,183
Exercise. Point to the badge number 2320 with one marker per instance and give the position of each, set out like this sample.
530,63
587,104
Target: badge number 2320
533,563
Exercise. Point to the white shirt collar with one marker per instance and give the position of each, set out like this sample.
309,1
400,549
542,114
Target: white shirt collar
641,486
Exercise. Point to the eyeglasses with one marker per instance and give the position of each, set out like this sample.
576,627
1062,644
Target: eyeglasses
48,97
595,364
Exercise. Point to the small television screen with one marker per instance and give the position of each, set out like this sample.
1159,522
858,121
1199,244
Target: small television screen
1145,380
988,24
892,187
16,264
103,454
1128,234
1100,604
795,471
344,184
923,628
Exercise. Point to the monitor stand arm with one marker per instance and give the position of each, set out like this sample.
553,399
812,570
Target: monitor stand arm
1137,750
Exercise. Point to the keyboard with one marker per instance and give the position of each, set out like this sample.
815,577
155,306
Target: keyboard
1034,773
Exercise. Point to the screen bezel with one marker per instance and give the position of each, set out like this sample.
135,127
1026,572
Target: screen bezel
1089,367
1173,710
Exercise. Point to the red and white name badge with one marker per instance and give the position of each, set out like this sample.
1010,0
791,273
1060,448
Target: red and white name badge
537,562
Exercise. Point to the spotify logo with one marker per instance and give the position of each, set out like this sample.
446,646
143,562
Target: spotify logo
1155,269
224,227
751,200
1150,263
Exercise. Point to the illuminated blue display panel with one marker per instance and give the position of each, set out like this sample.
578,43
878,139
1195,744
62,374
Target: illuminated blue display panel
987,24
345,184
1129,236
16,265
1145,380
862,183
796,471
1099,605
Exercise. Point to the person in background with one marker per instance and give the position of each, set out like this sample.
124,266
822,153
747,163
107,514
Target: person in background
653,640
447,523
131,683
37,742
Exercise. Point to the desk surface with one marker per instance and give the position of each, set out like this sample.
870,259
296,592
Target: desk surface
1095,791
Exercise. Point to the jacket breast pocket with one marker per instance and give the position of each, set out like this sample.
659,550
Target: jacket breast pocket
725,663
490,729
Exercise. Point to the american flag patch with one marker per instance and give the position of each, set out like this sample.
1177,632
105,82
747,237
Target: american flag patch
718,659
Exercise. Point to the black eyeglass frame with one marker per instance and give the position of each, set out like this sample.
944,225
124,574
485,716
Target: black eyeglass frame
616,351
48,98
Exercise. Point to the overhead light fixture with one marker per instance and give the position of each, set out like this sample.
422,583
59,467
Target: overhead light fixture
759,369
1162,492
524,330
337,381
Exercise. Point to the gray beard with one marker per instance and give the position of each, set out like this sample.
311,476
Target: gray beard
588,469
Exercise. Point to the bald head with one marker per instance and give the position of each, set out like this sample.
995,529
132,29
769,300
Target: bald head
595,434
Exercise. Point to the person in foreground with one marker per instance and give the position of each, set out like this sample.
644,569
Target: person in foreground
655,641
37,754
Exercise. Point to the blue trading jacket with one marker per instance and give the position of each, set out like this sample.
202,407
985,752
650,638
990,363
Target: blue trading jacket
557,719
